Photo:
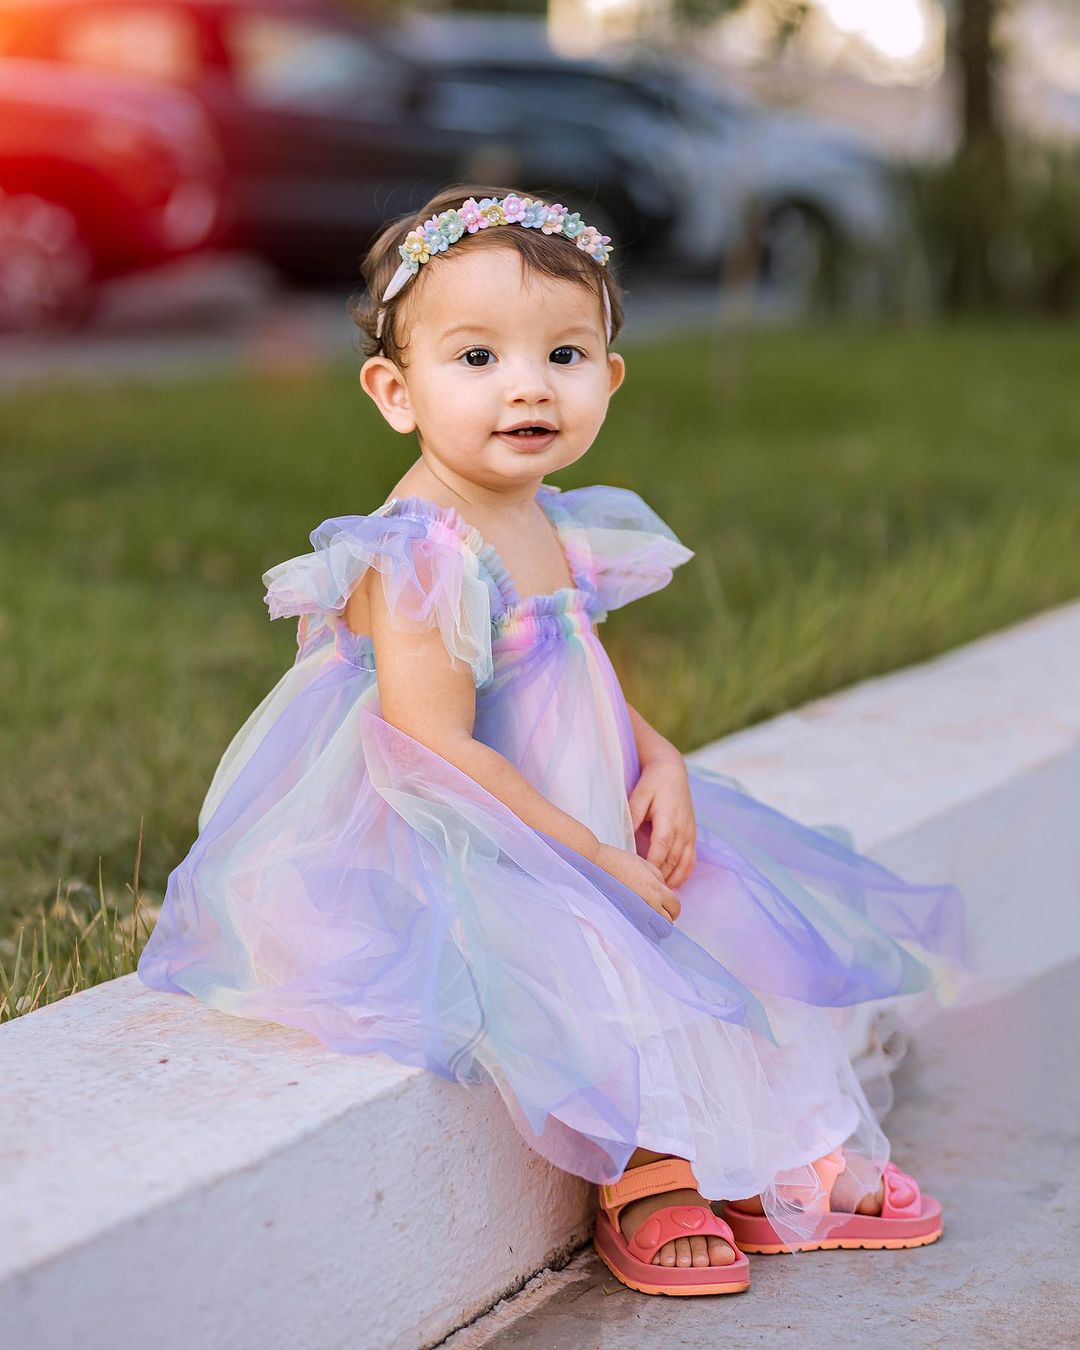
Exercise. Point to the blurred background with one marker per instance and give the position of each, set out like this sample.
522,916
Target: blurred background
170,164
850,233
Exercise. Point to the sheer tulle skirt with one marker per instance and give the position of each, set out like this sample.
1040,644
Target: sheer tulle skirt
349,881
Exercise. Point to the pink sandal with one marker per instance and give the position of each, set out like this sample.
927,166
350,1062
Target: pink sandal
907,1219
630,1261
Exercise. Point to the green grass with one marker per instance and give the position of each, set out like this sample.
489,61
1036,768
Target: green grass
858,499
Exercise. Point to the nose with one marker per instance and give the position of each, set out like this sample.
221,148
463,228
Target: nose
528,382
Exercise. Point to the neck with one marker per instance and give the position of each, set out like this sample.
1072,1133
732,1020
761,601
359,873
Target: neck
483,496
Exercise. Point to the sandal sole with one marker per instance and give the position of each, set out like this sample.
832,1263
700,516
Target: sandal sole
674,1290
845,1244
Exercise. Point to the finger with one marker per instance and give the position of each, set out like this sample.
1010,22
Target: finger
670,864
660,843
671,859
660,904
639,802
664,907
660,900
672,905
654,869
682,867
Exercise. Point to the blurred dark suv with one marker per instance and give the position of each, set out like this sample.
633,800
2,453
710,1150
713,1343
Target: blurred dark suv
99,177
327,129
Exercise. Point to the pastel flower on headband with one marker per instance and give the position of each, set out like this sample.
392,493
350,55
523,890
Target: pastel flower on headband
594,243
416,249
473,216
437,233
534,214
554,219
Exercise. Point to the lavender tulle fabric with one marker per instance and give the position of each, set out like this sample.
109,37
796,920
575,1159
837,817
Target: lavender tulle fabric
349,881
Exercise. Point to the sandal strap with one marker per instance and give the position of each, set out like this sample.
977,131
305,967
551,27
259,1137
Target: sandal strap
668,1174
677,1221
903,1198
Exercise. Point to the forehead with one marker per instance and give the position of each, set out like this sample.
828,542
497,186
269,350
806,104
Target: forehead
496,289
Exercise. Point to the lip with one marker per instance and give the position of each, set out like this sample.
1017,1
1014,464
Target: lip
529,422
530,444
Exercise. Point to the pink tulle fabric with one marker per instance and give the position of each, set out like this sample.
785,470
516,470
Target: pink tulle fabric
349,881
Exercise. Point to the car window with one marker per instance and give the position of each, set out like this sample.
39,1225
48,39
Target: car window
286,62
573,94
161,43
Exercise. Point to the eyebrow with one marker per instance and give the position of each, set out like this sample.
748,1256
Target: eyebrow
481,328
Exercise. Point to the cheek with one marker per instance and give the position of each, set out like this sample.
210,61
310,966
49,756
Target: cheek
589,398
453,404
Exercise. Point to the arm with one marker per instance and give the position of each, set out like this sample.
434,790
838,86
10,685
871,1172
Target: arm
423,694
650,744
662,797
434,702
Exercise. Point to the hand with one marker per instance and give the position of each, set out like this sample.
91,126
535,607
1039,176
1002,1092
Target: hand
641,876
661,796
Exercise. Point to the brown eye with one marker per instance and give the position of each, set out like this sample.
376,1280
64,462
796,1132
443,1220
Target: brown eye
480,352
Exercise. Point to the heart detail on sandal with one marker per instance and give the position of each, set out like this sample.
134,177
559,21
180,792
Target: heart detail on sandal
689,1218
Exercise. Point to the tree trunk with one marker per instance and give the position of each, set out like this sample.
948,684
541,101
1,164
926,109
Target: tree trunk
980,176
977,59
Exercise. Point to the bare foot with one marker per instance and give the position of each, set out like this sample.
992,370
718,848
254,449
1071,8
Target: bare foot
841,1196
691,1251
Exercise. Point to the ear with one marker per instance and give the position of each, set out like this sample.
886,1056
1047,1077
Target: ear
616,371
385,385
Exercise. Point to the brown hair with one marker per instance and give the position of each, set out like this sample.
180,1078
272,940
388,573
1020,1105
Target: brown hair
552,255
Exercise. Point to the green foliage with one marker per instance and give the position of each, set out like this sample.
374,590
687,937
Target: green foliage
1000,227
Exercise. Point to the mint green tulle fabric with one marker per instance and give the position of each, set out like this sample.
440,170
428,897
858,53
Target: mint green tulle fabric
349,881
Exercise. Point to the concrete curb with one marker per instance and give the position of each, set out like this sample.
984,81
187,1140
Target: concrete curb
172,1175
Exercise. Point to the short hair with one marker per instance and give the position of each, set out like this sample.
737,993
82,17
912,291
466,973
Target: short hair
551,255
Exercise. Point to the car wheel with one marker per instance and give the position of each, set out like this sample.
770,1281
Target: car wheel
797,255
46,266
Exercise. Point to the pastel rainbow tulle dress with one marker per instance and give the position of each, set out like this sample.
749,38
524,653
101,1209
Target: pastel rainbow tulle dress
349,881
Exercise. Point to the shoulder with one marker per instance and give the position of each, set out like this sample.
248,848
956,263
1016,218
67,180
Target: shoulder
626,546
602,506
429,576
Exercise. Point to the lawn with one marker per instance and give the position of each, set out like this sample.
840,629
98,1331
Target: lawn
858,499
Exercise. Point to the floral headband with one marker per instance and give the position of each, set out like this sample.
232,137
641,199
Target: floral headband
439,232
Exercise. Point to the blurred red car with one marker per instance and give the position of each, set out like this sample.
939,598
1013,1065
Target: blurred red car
100,176
330,124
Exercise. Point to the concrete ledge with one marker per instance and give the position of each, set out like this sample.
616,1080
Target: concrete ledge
174,1176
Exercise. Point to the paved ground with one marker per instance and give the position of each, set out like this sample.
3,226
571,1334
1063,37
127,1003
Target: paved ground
988,1115
208,313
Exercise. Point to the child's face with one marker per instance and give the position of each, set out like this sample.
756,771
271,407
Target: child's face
492,345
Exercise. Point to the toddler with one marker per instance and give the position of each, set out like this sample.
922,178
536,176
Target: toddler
444,834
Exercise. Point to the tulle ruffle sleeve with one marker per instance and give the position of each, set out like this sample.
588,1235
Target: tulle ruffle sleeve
627,549
429,579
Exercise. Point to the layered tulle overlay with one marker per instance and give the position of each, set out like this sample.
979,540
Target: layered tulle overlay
349,881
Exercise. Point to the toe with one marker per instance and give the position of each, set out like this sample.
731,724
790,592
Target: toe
720,1253
683,1256
666,1254
871,1204
699,1251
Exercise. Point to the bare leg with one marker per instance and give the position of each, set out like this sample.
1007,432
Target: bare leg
694,1251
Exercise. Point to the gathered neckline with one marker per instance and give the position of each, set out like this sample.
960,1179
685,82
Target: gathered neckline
511,601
